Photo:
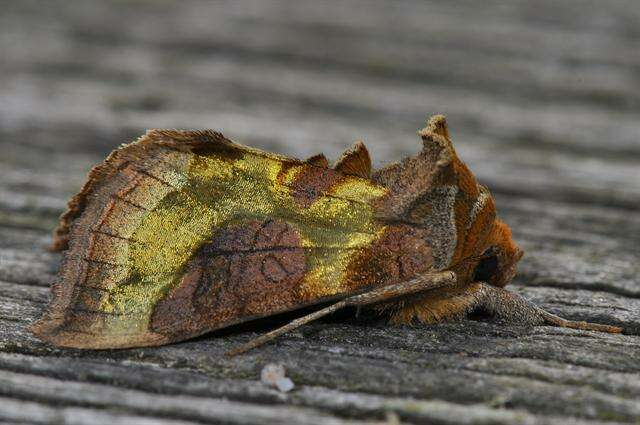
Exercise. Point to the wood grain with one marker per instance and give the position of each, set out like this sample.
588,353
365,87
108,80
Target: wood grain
543,102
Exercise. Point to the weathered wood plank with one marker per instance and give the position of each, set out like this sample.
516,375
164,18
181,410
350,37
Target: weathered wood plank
482,367
21,412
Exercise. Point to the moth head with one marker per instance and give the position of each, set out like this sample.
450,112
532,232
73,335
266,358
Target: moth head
497,263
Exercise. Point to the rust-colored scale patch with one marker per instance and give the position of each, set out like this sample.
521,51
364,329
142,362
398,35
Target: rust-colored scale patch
510,253
471,226
400,253
310,183
355,161
479,229
466,181
318,160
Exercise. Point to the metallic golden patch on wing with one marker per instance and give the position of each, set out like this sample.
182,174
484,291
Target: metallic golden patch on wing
326,269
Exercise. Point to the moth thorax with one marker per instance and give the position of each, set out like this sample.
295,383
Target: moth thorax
434,211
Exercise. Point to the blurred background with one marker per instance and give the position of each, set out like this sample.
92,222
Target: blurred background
541,96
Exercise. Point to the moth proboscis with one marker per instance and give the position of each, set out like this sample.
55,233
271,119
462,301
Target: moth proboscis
183,232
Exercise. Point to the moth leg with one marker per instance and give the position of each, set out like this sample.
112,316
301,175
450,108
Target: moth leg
512,308
420,283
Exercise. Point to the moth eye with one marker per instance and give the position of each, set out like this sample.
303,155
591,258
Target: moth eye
486,268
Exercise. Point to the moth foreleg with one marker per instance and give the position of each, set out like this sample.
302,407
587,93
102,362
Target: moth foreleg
512,308
423,282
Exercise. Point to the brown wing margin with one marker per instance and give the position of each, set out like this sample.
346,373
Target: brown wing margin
75,234
113,163
355,161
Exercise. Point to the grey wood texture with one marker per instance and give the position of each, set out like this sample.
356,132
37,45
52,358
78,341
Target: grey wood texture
543,100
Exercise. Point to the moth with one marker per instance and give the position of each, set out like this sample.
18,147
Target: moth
184,232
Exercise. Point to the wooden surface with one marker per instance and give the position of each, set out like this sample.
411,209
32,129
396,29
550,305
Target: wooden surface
543,100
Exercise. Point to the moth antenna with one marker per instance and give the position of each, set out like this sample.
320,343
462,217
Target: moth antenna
421,283
295,324
558,321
